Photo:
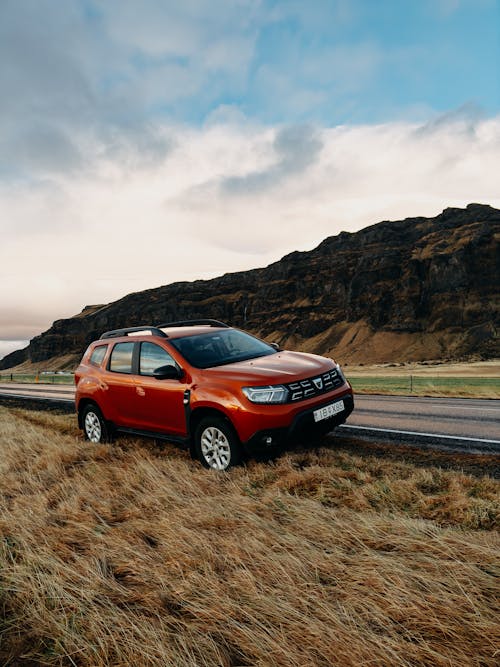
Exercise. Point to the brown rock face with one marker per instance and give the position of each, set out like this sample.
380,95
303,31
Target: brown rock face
420,288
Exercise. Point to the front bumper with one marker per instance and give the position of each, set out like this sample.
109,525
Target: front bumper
303,427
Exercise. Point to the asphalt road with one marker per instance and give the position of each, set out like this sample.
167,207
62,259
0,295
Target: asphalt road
472,424
459,417
57,392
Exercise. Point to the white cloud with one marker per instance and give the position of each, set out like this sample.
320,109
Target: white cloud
125,224
180,29
70,81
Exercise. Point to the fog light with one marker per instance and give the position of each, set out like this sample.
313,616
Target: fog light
268,440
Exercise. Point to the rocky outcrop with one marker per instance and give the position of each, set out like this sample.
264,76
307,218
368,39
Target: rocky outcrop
15,358
420,288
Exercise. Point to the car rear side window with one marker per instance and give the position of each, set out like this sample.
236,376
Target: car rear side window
98,355
121,358
152,357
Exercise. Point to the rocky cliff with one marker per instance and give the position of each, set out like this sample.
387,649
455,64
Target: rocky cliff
420,288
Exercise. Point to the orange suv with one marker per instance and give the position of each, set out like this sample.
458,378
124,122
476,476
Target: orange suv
218,390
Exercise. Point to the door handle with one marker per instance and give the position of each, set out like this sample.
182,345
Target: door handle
140,391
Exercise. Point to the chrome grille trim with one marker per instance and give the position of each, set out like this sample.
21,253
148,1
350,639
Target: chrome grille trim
314,386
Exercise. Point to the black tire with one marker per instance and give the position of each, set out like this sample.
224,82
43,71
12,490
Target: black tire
94,425
216,443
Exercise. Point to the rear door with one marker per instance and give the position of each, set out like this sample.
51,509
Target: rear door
119,392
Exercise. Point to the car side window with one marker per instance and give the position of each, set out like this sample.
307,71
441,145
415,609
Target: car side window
98,355
121,358
152,357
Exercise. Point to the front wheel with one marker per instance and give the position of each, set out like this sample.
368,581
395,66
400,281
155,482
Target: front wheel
217,445
94,425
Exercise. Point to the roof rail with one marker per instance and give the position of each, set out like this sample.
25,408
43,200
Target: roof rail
191,323
115,333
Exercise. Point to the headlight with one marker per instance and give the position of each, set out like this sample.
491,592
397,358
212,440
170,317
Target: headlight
339,371
272,394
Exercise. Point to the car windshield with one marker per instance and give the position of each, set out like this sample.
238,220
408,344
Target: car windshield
220,347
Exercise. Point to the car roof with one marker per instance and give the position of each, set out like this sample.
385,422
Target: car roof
161,333
182,332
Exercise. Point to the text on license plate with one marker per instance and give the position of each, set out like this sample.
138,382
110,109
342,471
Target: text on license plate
328,411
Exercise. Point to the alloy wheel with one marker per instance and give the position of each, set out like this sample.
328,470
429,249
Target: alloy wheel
215,448
93,427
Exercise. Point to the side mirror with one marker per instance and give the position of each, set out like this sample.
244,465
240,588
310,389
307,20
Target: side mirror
167,372
276,346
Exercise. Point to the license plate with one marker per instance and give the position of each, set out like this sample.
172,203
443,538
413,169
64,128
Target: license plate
328,411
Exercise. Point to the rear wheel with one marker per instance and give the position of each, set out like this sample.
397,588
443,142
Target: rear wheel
94,425
217,445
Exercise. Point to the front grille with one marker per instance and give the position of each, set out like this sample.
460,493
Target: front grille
319,384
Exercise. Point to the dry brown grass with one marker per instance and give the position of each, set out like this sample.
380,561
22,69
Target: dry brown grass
132,554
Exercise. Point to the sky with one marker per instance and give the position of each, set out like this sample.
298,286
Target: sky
144,142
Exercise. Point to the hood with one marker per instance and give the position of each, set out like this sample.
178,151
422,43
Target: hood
279,368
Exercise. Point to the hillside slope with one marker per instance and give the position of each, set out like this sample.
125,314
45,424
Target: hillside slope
415,289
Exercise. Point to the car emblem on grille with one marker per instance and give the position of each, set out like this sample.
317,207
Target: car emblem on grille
318,382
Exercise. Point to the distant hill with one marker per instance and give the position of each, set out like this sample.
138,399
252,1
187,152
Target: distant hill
415,289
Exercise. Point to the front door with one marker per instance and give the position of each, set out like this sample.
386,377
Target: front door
158,403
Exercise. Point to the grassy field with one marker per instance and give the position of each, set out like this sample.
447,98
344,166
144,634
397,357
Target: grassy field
415,385
480,379
132,554
42,378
